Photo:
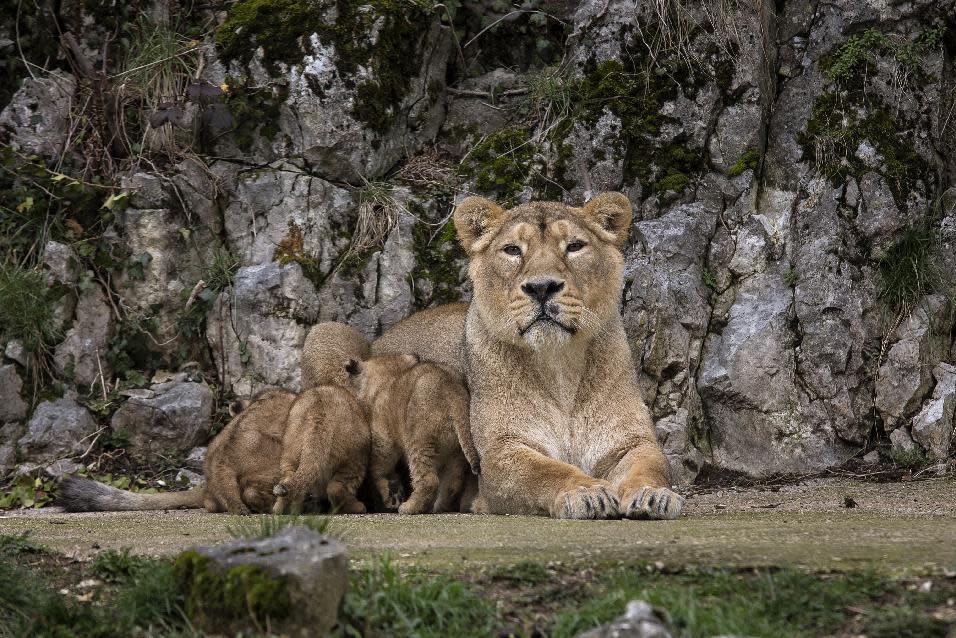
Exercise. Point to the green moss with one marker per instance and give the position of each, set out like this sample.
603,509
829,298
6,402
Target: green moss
837,127
438,256
634,90
231,597
747,162
501,163
282,28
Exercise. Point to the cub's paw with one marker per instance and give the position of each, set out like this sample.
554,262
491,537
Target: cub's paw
653,503
593,501
411,507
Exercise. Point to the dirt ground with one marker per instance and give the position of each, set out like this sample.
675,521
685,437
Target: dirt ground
820,524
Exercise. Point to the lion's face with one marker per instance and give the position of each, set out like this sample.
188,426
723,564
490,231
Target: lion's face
545,273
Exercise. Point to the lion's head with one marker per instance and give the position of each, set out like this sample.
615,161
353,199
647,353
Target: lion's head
545,273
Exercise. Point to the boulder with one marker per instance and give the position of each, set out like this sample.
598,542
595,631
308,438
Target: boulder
640,620
37,119
257,328
304,574
57,429
905,376
81,356
12,405
173,420
933,427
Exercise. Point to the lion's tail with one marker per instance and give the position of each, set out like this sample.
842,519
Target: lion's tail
461,420
85,495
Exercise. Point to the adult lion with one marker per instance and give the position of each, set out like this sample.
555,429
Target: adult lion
556,413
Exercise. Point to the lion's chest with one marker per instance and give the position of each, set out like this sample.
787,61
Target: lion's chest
579,438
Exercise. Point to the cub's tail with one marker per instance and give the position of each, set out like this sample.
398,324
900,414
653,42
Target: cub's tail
85,495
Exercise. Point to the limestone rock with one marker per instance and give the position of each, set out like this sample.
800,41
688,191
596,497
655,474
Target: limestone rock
313,569
175,419
16,351
905,376
267,202
195,458
933,426
258,327
81,356
12,405
640,620
37,118
58,429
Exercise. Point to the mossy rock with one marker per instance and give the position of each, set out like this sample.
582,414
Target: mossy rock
292,582
283,27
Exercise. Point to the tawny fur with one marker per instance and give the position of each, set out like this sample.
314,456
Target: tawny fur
327,347
326,451
419,411
240,468
556,411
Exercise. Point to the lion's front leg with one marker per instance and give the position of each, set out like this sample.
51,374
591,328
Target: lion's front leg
640,482
531,482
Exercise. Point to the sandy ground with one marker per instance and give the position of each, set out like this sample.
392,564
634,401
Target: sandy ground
893,527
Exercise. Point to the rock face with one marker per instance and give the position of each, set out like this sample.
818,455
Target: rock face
934,426
58,429
171,419
792,262
310,568
12,405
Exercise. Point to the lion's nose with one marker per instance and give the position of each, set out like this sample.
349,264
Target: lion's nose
541,290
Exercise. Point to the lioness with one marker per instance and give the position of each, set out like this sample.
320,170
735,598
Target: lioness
419,411
325,451
241,468
556,413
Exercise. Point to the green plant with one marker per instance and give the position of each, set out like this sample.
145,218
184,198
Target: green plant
114,566
26,308
709,280
791,277
912,459
27,491
382,601
17,544
908,270
269,525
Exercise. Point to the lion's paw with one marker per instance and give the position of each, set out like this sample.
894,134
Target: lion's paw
654,503
595,501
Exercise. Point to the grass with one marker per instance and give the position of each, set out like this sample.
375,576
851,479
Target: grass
269,525
26,308
143,596
383,602
908,270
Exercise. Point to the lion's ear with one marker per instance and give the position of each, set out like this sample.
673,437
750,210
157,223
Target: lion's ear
612,213
475,217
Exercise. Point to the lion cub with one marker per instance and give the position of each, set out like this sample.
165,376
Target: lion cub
419,411
325,451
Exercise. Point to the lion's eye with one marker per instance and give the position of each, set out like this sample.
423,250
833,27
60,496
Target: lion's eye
512,250
575,246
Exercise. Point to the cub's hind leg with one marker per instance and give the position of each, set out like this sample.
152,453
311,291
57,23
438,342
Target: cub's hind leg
452,483
422,467
342,491
381,471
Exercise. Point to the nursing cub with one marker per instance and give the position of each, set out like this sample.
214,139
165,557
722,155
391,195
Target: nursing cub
418,410
281,445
